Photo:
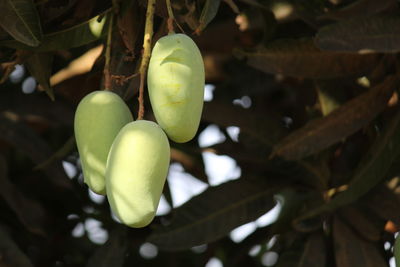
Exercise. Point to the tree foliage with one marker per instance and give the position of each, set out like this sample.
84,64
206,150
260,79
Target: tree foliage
312,86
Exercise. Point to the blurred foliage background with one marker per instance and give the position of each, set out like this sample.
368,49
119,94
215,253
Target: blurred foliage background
312,86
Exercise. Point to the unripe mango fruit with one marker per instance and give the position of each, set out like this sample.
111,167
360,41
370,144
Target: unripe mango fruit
175,83
136,171
98,119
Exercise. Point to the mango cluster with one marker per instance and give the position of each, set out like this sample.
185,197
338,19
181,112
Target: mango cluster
128,160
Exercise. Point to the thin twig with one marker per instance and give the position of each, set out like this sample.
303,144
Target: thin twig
148,33
170,21
107,74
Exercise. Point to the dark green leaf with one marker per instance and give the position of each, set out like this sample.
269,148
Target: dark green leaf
29,212
371,170
39,65
15,132
378,34
208,13
360,223
385,203
112,253
300,58
351,250
321,133
267,129
20,19
75,36
61,153
314,254
10,253
214,213
361,8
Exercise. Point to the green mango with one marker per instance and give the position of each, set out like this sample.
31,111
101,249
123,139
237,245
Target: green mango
98,119
137,167
175,82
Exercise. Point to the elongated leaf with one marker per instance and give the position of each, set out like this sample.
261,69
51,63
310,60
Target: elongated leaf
379,34
385,203
112,253
20,19
22,137
216,212
314,254
11,255
300,58
371,170
344,121
75,36
352,251
208,13
61,153
39,65
29,212
360,223
267,129
361,8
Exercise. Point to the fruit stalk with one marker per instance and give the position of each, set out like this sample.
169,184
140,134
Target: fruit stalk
148,34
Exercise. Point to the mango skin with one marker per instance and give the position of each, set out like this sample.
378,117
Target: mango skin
98,118
136,171
175,84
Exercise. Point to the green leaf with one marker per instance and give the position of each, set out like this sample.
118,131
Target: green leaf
19,135
214,213
40,67
321,133
266,129
360,8
377,34
29,212
21,20
113,252
385,203
208,13
75,36
11,255
360,222
300,58
314,254
351,250
370,171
